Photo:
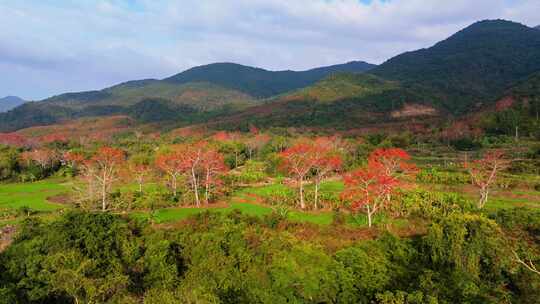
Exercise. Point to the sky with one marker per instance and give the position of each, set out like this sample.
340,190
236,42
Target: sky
48,47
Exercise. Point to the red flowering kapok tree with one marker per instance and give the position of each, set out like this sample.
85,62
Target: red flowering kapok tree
192,157
368,189
484,173
44,157
103,168
173,165
325,160
393,161
256,143
212,165
72,160
298,162
196,162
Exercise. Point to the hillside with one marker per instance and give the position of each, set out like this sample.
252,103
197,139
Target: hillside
9,102
343,101
473,66
199,95
189,96
258,82
472,69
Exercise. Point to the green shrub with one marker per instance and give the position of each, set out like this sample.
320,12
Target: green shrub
251,172
427,204
433,175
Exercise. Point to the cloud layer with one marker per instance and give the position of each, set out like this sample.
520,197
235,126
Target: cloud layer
51,46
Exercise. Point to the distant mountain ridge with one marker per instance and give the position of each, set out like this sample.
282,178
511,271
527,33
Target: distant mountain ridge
261,83
9,102
469,71
218,87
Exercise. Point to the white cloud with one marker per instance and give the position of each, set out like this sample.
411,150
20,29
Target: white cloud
49,47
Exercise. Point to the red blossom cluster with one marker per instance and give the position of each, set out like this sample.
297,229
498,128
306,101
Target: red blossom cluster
53,137
200,163
370,189
44,157
13,139
319,157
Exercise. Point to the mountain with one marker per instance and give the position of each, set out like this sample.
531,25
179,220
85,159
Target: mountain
466,72
473,66
472,69
193,95
537,27
9,102
261,83
340,101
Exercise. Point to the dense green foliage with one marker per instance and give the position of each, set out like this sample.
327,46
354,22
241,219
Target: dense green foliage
86,257
258,82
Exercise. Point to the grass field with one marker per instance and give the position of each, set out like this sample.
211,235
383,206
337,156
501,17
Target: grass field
247,200
33,195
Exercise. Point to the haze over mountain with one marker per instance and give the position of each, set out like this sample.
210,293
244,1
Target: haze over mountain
9,102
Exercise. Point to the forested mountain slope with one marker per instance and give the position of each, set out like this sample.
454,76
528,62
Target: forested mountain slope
258,82
473,66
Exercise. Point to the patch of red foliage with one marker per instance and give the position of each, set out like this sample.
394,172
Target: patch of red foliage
504,103
13,139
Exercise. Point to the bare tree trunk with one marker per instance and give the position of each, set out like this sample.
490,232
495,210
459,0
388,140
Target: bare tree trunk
369,216
174,185
317,181
483,198
103,195
207,186
301,182
195,188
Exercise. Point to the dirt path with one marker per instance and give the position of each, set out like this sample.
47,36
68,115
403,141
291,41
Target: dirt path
6,236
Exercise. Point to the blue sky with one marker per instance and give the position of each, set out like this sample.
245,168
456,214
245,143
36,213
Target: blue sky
49,47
